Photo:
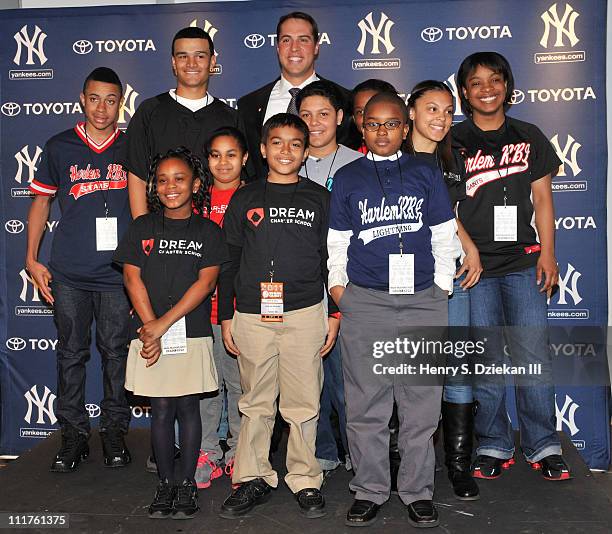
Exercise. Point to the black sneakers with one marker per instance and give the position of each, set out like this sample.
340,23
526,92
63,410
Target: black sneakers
185,503
115,452
161,507
553,467
74,449
245,497
488,467
312,502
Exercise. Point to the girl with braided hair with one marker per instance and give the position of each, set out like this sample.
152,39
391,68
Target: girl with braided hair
171,259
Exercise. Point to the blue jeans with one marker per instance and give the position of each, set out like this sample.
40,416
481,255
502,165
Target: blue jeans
458,389
332,398
514,301
74,312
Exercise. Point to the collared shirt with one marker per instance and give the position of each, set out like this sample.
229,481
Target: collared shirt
280,96
375,157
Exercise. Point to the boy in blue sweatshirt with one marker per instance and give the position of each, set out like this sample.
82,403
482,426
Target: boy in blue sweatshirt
392,248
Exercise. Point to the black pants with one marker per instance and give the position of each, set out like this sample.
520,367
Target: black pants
74,311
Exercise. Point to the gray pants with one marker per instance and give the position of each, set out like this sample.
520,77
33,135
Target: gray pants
369,316
211,407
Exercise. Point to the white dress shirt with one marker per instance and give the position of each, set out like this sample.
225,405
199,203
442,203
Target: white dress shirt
280,96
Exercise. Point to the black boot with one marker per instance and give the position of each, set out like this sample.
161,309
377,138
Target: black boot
458,429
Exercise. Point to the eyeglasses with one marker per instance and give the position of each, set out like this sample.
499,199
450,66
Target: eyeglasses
392,124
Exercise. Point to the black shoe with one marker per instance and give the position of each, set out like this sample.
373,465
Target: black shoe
185,504
458,429
245,497
423,514
161,507
312,502
488,467
361,513
74,449
553,467
115,452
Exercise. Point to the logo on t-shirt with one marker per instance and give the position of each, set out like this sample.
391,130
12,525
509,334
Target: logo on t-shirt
484,169
147,246
255,216
406,216
116,178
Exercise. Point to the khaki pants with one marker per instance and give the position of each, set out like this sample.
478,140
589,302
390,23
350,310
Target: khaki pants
280,358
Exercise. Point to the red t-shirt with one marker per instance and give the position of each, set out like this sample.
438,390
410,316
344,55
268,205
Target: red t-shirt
219,200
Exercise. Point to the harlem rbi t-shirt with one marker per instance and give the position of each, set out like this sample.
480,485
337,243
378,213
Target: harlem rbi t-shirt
286,222
377,200
84,175
170,254
502,163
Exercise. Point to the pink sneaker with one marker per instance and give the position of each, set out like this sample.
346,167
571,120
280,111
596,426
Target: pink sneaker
206,471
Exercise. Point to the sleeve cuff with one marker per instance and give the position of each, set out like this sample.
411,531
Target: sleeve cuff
444,282
337,278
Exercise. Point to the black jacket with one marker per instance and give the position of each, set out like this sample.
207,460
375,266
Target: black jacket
252,110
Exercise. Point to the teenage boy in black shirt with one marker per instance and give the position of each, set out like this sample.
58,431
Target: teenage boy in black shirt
185,116
276,230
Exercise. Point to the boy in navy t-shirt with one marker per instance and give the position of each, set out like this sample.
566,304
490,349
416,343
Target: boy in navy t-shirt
82,168
392,248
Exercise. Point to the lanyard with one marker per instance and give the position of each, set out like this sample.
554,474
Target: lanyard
104,191
329,172
165,262
399,232
272,251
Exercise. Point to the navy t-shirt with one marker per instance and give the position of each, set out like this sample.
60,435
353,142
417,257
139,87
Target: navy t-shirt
414,199
83,175
170,254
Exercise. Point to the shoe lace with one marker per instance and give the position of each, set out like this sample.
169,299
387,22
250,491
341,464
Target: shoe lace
184,493
164,492
310,497
247,489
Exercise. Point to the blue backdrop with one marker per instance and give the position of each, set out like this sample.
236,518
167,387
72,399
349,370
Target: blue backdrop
557,51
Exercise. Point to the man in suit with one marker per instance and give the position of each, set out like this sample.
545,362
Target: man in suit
297,48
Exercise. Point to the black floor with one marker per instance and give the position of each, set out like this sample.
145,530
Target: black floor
103,500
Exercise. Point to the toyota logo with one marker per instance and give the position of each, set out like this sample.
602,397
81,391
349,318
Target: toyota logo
13,226
517,97
10,109
431,35
93,410
255,40
82,47
15,343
